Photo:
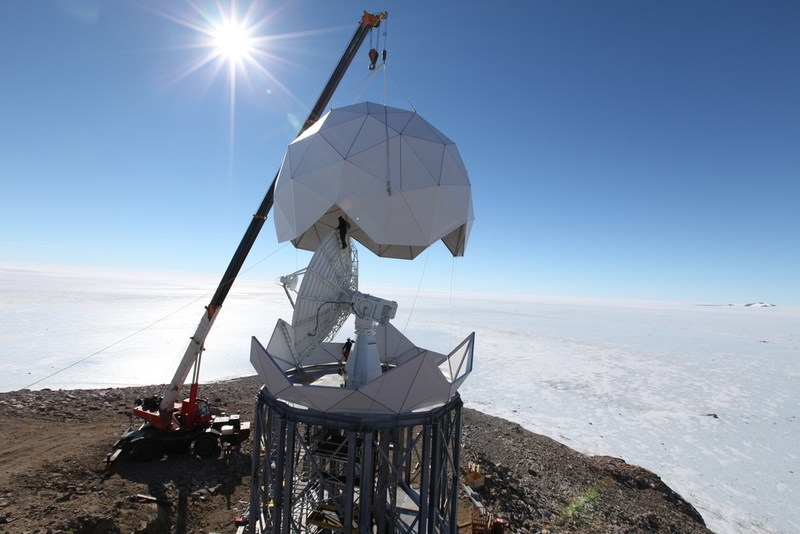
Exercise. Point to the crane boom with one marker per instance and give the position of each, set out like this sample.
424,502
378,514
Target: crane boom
194,350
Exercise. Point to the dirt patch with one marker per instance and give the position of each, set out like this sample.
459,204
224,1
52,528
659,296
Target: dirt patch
52,477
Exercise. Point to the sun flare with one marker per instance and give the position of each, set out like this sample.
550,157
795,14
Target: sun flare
234,51
232,41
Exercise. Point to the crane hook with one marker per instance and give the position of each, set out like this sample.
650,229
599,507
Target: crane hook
373,58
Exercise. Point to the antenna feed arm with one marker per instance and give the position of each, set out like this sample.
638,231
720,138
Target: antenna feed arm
377,309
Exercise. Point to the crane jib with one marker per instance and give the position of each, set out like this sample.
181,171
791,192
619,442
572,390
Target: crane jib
195,348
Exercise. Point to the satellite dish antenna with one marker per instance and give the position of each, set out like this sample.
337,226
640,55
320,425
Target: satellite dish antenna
323,302
327,296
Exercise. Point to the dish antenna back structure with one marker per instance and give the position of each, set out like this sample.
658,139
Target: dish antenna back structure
328,295
323,302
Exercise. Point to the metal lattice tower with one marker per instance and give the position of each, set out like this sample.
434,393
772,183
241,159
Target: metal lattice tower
316,472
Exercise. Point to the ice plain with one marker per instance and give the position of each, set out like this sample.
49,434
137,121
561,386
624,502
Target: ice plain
706,395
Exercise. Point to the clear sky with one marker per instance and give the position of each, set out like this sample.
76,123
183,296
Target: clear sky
619,149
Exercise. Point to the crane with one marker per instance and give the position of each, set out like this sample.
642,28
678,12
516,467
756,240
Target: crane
169,424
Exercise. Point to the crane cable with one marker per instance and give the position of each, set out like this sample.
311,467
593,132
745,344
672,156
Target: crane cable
100,351
373,52
453,277
360,87
452,299
363,84
416,297
146,327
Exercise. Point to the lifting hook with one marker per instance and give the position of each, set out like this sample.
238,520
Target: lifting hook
373,58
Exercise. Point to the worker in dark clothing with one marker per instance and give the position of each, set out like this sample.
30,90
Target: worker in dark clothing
346,348
343,227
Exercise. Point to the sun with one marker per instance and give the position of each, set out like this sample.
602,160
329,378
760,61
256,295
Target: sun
233,42
229,37
231,46
233,49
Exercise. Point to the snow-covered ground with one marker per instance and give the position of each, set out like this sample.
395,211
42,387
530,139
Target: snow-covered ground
707,396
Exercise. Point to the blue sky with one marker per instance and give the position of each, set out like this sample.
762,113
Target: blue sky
622,149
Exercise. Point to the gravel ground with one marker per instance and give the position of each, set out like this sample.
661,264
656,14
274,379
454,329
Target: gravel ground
52,478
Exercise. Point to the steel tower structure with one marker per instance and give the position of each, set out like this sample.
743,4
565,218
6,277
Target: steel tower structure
383,473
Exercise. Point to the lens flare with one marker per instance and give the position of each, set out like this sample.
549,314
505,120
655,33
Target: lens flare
233,42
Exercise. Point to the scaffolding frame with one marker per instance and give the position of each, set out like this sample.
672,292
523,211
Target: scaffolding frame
316,472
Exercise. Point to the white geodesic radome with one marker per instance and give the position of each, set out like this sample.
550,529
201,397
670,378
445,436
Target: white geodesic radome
398,181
